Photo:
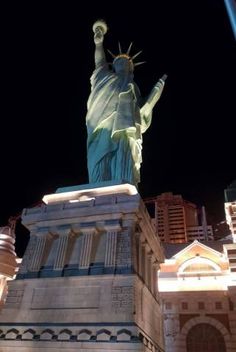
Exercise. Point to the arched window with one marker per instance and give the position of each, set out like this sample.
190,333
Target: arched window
205,337
199,265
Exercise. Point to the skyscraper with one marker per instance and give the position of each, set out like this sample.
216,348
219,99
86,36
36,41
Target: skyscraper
177,220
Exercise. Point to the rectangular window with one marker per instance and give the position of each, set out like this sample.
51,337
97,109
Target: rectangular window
201,305
184,305
218,305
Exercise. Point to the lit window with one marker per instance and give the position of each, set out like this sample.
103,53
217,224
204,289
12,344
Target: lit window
198,265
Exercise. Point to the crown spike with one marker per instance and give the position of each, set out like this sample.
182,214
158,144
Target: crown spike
111,53
129,48
133,57
120,50
139,63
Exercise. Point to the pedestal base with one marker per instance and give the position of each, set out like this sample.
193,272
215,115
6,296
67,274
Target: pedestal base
88,277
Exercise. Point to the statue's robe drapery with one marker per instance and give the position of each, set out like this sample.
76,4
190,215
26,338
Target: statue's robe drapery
114,127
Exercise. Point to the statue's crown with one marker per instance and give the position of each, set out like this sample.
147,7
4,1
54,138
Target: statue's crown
126,55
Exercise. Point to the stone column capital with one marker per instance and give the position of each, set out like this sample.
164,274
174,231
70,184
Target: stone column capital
75,229
108,225
42,232
88,228
60,230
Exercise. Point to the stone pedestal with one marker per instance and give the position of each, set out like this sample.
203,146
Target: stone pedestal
88,277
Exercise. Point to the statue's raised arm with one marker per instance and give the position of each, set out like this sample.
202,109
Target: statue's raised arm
115,118
99,29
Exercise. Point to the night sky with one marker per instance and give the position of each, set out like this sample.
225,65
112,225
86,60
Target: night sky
47,53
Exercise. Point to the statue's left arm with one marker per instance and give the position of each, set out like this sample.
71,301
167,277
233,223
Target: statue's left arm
153,97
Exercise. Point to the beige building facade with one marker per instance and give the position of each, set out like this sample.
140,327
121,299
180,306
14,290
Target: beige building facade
198,290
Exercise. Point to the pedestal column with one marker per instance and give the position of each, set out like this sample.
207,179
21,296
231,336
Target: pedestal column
86,249
111,246
39,251
62,248
110,254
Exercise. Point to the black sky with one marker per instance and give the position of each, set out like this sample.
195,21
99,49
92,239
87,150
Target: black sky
47,53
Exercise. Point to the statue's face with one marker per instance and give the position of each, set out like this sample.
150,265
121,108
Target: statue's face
123,66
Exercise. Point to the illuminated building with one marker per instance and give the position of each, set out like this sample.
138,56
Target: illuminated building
222,231
8,261
197,284
176,220
230,208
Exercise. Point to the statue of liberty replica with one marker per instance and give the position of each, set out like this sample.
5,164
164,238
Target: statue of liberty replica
116,118
88,279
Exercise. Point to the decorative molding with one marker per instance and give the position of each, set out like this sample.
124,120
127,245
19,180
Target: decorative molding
123,252
84,335
14,298
122,298
103,335
64,335
11,334
28,334
107,334
47,334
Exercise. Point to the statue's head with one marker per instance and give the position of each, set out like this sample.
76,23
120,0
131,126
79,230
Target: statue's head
123,62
